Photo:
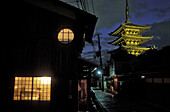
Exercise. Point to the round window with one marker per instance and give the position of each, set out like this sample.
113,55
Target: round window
65,36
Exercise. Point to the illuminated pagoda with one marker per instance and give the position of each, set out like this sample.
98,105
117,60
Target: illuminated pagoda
129,36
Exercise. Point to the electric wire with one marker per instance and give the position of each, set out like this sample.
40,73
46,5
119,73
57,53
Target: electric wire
98,12
92,6
77,4
81,3
87,4
84,5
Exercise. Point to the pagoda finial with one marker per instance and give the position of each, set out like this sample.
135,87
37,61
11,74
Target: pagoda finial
127,12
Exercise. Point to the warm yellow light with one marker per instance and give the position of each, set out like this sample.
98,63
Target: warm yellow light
115,79
112,88
142,77
32,88
65,36
45,80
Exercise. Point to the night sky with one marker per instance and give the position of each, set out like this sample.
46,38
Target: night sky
111,13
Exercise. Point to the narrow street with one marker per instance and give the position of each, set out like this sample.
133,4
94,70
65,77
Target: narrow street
113,103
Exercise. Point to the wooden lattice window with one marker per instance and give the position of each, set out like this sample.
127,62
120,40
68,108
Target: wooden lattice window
65,36
32,88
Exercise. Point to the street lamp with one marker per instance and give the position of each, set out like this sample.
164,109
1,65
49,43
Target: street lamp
99,72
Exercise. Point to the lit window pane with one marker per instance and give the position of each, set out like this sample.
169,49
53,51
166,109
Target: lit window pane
65,36
22,91
41,87
39,90
15,98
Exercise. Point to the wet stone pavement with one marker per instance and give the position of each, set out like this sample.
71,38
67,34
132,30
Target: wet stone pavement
118,104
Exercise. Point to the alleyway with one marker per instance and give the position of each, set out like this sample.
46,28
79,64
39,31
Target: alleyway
121,104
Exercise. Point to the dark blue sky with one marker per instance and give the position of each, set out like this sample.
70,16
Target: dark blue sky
111,13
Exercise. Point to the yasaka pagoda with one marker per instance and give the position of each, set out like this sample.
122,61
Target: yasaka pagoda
129,36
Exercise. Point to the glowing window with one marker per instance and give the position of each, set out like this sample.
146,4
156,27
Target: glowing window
65,36
41,88
32,88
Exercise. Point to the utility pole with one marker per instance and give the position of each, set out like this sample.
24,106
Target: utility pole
101,65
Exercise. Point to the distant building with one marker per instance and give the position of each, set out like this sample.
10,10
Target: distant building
41,59
129,36
140,71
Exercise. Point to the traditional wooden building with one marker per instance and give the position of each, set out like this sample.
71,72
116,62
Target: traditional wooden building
129,36
41,58
85,69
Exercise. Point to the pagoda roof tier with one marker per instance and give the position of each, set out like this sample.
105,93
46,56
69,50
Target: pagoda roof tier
135,47
135,50
129,25
138,39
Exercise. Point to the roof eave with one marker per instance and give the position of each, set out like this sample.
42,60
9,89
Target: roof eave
117,31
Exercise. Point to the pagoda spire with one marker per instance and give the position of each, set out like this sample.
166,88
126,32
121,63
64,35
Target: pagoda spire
127,12
129,36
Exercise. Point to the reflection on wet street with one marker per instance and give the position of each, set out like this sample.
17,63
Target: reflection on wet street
113,103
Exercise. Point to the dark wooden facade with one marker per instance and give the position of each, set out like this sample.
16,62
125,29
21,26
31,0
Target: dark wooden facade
146,76
85,69
33,50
